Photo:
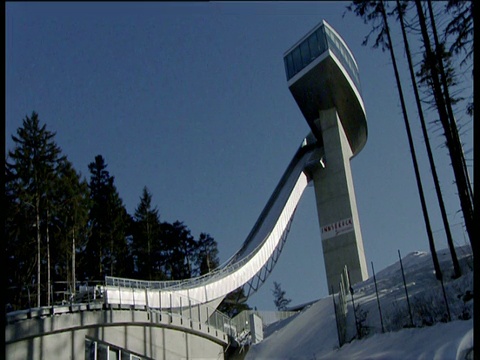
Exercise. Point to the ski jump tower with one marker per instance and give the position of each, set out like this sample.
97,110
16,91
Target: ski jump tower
323,78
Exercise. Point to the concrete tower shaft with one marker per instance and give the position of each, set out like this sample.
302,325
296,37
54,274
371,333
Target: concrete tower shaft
336,205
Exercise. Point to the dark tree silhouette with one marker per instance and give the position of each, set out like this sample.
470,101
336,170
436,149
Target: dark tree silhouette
106,251
147,247
434,71
207,254
32,168
234,303
279,299
179,250
82,232
375,12
456,266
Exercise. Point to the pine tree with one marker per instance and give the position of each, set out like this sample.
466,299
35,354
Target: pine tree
147,247
31,172
207,254
460,28
439,81
459,33
280,301
107,245
70,216
457,271
437,74
234,303
180,248
375,12
19,242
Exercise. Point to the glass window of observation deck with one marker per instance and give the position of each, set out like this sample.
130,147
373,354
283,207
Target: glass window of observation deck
305,54
297,60
314,45
343,55
307,51
289,66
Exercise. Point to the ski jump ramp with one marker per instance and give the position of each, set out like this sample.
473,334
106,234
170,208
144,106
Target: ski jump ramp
248,267
322,76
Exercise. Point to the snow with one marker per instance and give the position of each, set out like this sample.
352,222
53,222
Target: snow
312,333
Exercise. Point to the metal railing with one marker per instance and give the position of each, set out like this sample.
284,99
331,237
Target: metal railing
187,314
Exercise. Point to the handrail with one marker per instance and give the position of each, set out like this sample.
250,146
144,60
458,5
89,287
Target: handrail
216,319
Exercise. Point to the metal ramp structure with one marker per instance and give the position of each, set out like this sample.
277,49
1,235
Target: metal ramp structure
248,268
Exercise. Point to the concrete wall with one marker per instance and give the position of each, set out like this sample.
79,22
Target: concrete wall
151,335
336,205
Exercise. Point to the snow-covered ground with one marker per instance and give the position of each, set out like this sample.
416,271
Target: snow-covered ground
312,334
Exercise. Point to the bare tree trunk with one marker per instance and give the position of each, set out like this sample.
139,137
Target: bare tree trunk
73,261
149,250
100,266
456,266
111,255
436,264
448,103
208,262
49,284
39,269
453,148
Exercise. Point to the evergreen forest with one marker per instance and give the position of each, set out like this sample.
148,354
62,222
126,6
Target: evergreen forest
63,230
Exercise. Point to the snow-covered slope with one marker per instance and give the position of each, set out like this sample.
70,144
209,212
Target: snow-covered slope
312,334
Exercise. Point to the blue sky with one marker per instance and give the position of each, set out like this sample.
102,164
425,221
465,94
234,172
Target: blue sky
191,100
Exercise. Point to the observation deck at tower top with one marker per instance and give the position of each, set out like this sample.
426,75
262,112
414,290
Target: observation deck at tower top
322,73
